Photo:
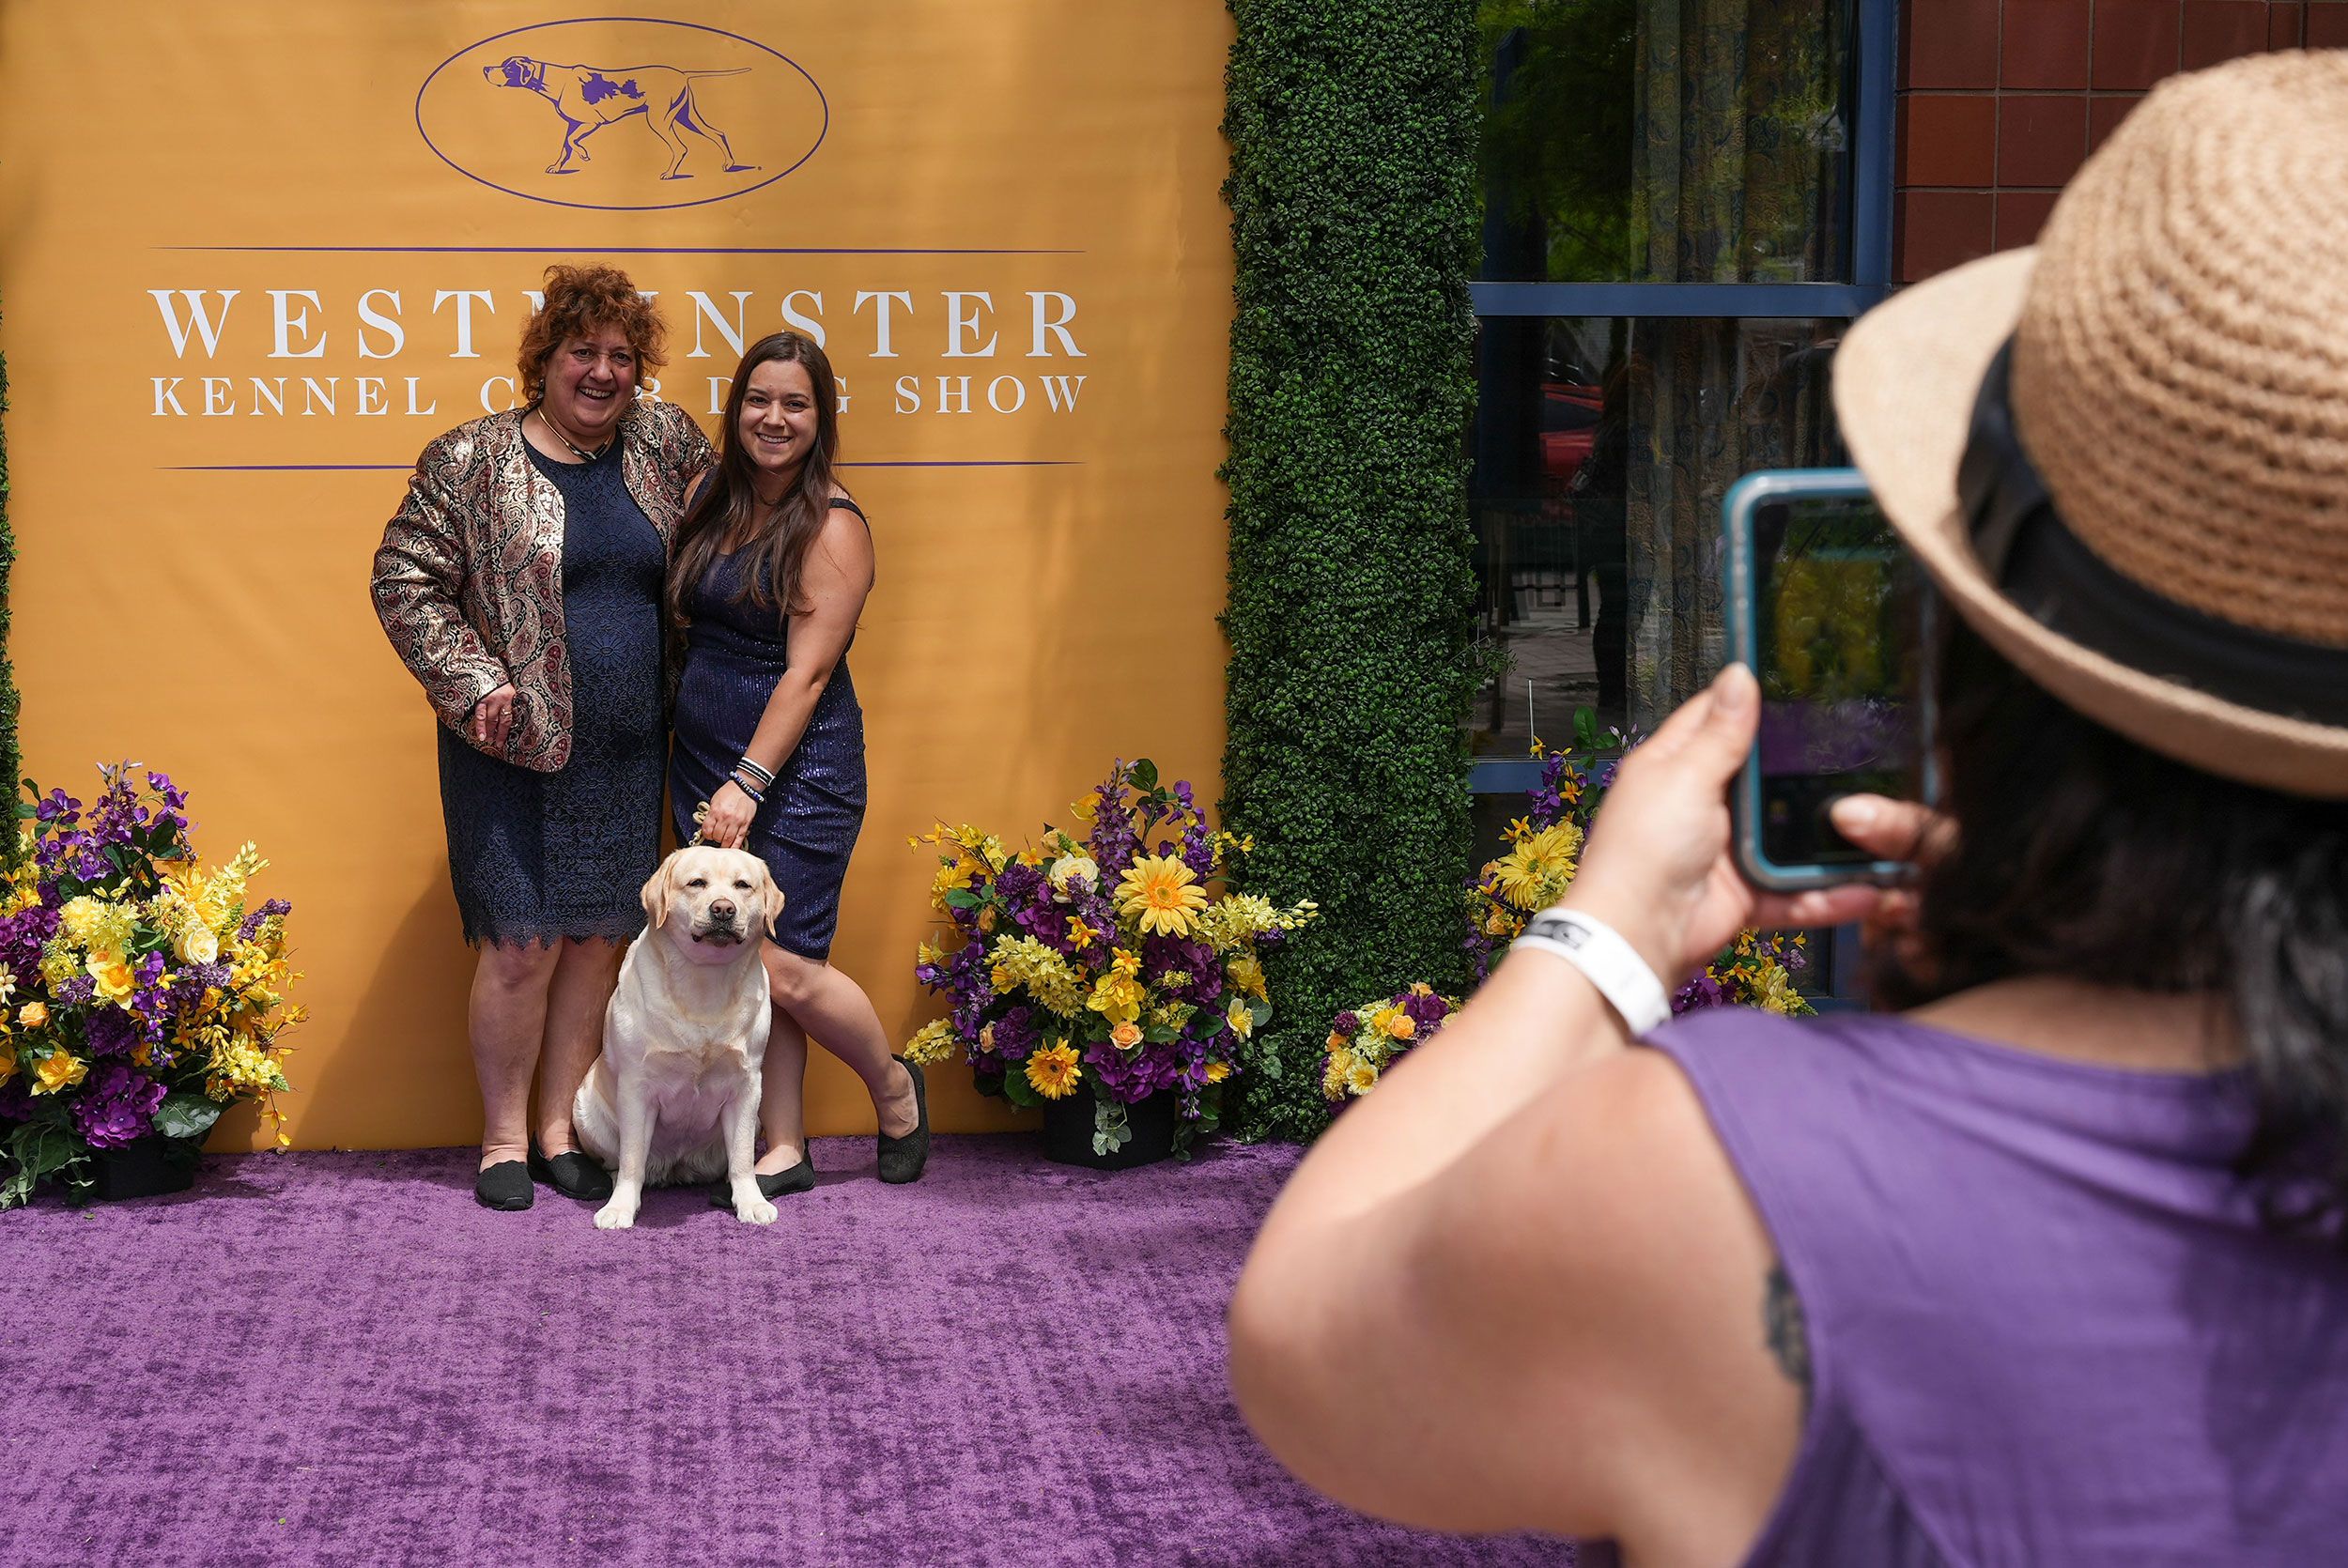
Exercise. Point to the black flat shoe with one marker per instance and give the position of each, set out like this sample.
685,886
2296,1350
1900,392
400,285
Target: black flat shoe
902,1158
504,1185
798,1178
572,1173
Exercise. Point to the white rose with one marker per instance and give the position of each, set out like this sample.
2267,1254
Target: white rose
197,944
1074,868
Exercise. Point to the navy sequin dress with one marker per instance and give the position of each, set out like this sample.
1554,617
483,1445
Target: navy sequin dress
536,857
808,824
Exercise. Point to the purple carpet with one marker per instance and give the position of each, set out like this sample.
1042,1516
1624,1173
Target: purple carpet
339,1359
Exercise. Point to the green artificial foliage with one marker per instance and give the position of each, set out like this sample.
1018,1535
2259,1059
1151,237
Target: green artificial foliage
1354,214
10,759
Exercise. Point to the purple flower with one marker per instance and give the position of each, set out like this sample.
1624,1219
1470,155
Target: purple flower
252,922
79,991
1345,1022
57,807
1113,841
112,1032
118,1106
1015,1033
1705,990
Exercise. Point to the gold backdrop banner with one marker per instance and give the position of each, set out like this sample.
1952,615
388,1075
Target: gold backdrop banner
254,255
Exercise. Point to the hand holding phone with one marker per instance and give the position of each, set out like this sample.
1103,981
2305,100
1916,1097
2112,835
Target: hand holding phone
1832,614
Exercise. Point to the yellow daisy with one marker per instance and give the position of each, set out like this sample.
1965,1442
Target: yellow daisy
1053,1071
1536,871
1161,892
1360,1078
1219,1071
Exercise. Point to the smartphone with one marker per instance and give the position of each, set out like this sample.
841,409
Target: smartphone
1833,617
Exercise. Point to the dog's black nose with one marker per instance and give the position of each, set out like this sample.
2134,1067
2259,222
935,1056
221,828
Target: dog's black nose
721,911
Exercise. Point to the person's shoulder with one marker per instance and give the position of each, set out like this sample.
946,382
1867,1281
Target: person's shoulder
667,425
460,449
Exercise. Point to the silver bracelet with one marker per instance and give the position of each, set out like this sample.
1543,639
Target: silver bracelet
1613,966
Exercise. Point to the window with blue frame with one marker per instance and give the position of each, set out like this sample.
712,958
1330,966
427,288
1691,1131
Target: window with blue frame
1685,201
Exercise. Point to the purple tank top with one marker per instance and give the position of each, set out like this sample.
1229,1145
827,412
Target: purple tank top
2045,1325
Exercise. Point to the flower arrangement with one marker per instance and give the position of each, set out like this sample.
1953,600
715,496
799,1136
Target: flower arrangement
1364,1041
1545,849
138,993
1128,962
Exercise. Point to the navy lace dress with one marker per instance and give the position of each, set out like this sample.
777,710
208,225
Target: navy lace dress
536,857
808,825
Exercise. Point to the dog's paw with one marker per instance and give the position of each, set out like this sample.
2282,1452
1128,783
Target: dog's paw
755,1210
619,1214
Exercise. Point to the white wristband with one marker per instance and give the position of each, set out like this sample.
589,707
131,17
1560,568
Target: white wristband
1611,964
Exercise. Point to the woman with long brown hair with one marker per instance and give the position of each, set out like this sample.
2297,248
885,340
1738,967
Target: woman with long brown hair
772,568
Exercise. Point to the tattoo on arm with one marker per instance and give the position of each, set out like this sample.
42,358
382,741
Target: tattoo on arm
1784,1330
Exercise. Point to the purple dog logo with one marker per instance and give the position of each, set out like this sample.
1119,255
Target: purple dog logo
588,97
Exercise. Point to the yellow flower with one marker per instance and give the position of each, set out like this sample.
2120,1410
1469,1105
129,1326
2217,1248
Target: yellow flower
7,1060
116,978
1337,1041
1117,996
1402,1026
1536,871
1125,1036
986,918
1053,1071
1030,857
1161,891
32,1015
1082,935
1243,1022
1773,989
1219,1071
1125,961
1360,1078
1086,809
1420,988
1246,974
1026,961
58,1070
935,1042
1339,1075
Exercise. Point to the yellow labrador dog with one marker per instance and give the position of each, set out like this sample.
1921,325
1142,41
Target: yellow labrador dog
673,1097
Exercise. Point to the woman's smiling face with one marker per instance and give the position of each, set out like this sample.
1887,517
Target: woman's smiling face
777,426
590,382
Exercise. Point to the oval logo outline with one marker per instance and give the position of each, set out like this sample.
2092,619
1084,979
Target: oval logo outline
823,104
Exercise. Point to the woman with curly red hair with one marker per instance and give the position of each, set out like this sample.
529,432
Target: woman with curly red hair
520,582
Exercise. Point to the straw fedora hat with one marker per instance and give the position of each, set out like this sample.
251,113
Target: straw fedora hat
2123,454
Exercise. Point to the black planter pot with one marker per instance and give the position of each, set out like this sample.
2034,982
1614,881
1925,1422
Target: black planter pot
145,1167
1068,1127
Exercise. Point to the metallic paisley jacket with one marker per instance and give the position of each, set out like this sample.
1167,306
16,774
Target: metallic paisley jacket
468,580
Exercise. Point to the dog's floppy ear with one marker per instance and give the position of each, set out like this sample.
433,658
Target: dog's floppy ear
656,894
771,892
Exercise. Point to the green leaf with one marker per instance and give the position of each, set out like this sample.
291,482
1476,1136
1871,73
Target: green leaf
962,898
1585,732
39,1150
1258,1013
1158,1034
1144,773
1019,1091
186,1115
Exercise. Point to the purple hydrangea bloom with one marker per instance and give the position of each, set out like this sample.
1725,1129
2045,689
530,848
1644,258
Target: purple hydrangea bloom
116,1106
1015,1033
112,1032
1702,991
1346,1023
79,991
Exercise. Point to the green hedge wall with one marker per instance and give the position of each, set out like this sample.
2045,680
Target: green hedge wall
1354,214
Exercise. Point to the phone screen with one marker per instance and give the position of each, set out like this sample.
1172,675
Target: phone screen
1837,617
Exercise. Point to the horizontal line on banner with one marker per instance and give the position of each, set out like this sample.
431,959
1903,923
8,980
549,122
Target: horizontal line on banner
405,468
622,250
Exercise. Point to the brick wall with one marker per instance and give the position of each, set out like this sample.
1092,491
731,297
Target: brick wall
2002,99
